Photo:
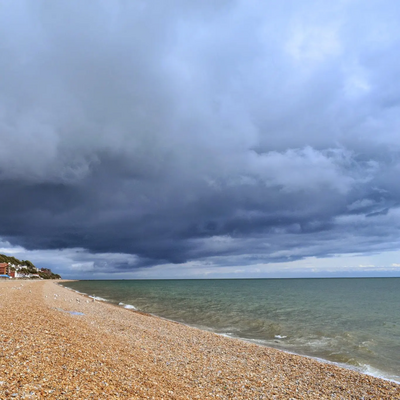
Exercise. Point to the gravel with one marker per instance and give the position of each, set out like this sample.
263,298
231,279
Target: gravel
57,344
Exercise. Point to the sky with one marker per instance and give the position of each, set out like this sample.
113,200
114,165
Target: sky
213,139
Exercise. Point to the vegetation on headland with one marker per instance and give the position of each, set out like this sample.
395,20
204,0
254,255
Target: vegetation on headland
27,268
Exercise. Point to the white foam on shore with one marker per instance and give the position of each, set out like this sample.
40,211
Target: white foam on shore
76,291
73,290
98,298
85,294
130,307
127,306
369,370
363,369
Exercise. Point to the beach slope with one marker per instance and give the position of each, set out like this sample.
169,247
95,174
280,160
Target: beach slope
57,344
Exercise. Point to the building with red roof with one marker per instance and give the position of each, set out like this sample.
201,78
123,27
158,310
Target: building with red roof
3,268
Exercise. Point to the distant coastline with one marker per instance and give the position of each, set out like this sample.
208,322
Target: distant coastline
12,268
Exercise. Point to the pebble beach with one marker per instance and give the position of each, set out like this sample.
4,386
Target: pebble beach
57,344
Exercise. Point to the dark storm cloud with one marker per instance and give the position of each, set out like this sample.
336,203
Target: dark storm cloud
250,132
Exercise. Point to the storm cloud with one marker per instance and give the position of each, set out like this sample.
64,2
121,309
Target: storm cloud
230,131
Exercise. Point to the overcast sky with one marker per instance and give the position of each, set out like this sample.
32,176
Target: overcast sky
201,139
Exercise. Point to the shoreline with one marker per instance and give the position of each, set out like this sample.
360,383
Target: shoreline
379,374
56,343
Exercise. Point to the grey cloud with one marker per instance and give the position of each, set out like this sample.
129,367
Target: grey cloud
163,132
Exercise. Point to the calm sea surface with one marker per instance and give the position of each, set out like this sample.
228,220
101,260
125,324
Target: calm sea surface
355,322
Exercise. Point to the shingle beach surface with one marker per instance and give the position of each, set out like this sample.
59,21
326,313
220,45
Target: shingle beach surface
57,344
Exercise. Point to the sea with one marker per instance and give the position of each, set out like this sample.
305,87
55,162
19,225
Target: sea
354,323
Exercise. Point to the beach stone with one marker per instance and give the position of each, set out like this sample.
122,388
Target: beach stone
96,350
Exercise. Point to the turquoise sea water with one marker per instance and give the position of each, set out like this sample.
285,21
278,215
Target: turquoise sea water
353,322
